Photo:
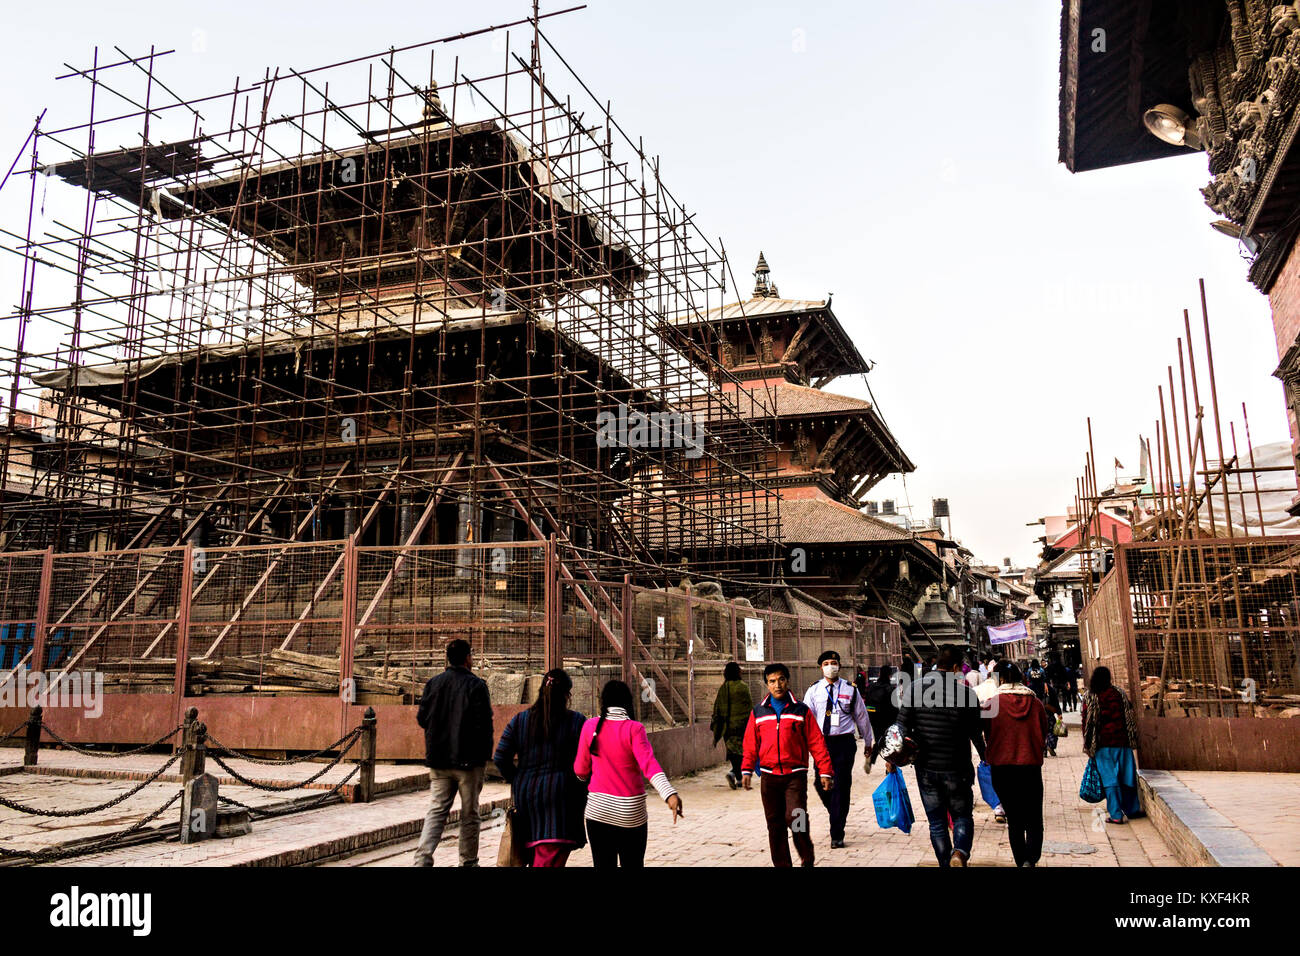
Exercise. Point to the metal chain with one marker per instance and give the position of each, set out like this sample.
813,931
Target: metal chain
121,753
84,811
293,807
275,788
47,856
214,745
16,731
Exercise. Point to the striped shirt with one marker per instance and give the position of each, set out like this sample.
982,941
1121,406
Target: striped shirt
617,809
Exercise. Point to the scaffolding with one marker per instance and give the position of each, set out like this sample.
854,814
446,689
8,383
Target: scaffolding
1198,616
381,299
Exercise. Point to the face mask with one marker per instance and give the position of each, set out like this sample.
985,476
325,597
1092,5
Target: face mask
831,670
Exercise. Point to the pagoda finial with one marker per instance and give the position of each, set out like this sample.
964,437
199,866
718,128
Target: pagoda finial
433,112
763,287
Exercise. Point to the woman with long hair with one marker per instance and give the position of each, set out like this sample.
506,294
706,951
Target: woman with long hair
536,755
1110,738
1015,725
615,754
730,716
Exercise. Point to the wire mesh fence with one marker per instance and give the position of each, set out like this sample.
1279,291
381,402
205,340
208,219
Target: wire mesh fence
373,624
1210,626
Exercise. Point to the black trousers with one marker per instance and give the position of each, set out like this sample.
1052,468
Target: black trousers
844,750
736,760
612,846
785,806
1020,788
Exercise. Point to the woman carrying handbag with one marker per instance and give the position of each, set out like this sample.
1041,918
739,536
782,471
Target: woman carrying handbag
1110,739
535,756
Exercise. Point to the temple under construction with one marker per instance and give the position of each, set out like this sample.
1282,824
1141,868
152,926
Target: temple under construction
322,375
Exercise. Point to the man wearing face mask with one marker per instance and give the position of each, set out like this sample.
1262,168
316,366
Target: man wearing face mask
838,709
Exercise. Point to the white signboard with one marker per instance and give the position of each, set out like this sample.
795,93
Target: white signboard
753,639
659,628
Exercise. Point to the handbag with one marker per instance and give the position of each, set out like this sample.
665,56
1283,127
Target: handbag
1090,788
893,806
989,795
1060,729
508,852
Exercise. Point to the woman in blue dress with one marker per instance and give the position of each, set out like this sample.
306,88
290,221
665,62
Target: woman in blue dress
535,755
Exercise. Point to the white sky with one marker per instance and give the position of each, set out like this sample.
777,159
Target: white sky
901,156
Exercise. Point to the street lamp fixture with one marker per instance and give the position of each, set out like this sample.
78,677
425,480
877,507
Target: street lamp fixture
1171,125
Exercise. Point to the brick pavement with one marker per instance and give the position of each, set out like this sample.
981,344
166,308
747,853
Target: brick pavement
722,827
64,780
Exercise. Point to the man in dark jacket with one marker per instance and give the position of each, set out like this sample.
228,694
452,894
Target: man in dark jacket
456,715
942,714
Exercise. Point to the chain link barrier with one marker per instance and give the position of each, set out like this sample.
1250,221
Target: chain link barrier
84,811
52,855
16,731
214,745
120,753
351,738
267,812
346,742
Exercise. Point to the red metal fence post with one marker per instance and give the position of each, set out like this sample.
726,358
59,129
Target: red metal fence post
626,654
183,630
551,643
735,643
348,630
690,659
42,611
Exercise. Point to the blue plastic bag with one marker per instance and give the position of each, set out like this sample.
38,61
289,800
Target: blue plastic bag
893,806
1090,788
986,786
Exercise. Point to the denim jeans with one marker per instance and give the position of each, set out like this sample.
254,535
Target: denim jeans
443,787
943,793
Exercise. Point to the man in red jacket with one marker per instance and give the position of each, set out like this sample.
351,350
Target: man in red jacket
779,738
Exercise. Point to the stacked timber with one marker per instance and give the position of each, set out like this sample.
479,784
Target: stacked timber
1192,698
272,673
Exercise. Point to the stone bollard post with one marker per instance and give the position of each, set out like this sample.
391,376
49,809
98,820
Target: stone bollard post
191,715
366,777
199,802
187,743
200,734
33,737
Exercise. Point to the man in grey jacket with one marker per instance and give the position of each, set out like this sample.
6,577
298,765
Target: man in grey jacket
456,714
942,714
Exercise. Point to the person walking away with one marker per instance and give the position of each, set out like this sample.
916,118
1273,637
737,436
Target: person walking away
942,714
455,712
882,706
839,710
730,714
535,756
779,738
1110,737
1036,679
1053,710
1072,687
985,691
1015,723
615,755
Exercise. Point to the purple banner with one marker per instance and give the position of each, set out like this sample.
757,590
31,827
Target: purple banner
1006,633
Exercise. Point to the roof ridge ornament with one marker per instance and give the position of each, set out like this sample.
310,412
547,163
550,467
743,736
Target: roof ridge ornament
763,285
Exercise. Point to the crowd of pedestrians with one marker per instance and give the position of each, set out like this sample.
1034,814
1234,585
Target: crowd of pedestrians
577,780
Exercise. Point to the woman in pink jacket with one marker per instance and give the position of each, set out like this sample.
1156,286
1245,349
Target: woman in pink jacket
616,754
